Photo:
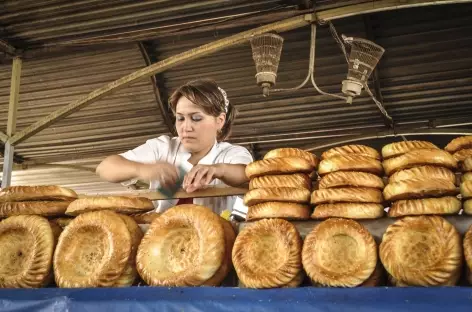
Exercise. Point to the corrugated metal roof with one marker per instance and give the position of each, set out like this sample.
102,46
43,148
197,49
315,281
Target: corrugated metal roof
424,77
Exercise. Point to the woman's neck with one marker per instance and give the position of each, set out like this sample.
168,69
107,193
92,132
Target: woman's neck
197,156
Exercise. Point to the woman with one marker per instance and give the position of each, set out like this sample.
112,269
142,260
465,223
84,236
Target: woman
204,117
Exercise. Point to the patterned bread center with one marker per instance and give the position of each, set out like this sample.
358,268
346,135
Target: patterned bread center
416,249
88,252
267,250
338,252
16,252
180,249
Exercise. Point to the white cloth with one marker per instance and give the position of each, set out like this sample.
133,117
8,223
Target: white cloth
172,151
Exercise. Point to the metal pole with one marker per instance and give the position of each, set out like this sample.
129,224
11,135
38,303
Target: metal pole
11,125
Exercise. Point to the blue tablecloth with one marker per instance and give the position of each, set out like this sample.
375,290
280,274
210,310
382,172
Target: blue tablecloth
144,299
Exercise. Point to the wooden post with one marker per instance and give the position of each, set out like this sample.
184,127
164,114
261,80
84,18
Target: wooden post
11,125
3,137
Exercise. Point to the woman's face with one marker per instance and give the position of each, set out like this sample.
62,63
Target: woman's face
196,129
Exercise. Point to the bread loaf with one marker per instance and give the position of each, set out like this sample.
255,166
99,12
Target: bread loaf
419,188
121,204
429,206
277,194
459,143
274,166
348,211
466,189
463,154
350,178
36,193
297,180
346,195
293,152
400,148
350,163
40,208
288,211
434,157
423,172
360,150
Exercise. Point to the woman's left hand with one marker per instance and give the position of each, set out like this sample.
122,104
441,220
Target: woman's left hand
202,175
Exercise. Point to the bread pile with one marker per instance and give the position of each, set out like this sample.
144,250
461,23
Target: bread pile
267,254
280,185
461,149
422,251
351,184
42,200
421,179
188,245
341,253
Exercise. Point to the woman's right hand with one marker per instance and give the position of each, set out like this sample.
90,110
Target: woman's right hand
163,172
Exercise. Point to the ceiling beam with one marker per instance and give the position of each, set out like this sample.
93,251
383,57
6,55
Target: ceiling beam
149,58
7,48
3,137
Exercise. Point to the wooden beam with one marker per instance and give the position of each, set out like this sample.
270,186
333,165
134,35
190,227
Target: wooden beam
281,26
7,165
14,95
163,107
3,137
153,69
208,192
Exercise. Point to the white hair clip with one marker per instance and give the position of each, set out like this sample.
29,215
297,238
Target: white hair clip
225,96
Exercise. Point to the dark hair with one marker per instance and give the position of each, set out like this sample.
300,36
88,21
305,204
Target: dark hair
206,94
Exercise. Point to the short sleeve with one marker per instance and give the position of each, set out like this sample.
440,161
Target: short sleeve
237,155
150,152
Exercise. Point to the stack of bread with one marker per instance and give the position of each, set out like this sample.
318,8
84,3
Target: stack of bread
280,185
351,184
461,149
267,254
421,179
102,241
188,245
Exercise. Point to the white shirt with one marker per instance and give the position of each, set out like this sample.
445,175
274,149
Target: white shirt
172,151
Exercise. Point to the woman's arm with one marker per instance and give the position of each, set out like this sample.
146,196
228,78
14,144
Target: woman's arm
117,169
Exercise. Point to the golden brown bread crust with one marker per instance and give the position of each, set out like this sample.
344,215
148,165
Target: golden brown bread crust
356,149
429,206
421,251
466,189
27,245
339,253
399,148
377,278
433,157
466,176
348,211
459,143
190,242
273,166
419,188
120,204
36,193
93,251
297,180
297,280
293,152
423,172
129,275
145,218
350,163
267,254
350,178
467,244
347,195
41,208
277,194
467,207
466,165
462,154
289,211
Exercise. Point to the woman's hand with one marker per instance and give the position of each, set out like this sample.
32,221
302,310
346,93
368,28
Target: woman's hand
163,172
202,175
